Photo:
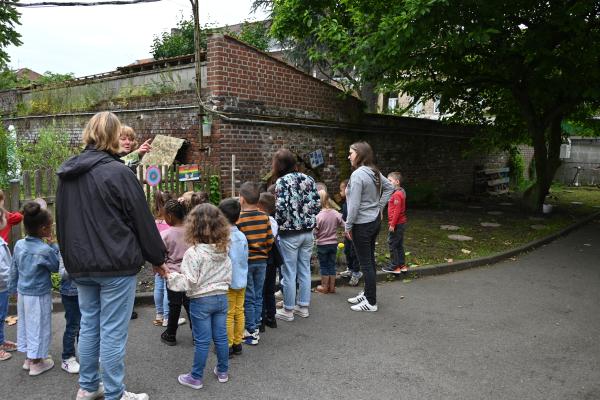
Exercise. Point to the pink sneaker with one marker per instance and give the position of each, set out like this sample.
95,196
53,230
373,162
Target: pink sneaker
41,367
189,381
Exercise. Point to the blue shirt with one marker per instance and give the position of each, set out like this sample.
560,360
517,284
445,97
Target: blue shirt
67,286
5,262
238,253
33,261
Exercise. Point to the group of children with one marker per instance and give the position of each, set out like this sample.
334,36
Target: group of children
221,266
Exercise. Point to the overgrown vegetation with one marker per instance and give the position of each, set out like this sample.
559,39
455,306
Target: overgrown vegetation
89,97
51,148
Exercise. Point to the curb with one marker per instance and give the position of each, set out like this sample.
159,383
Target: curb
147,298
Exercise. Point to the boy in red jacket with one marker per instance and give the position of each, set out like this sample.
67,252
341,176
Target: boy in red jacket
396,221
12,219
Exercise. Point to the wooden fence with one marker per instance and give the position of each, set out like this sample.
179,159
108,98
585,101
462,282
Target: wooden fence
170,180
42,184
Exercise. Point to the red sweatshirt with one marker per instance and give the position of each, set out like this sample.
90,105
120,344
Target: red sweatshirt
397,208
12,218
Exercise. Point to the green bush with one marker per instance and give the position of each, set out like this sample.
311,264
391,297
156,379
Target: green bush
423,194
516,164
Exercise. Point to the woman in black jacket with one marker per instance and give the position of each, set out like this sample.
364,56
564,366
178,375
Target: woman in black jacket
105,232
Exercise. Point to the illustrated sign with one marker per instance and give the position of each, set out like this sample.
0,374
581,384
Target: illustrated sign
164,150
153,176
190,172
316,158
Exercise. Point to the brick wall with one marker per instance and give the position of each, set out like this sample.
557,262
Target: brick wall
243,79
265,105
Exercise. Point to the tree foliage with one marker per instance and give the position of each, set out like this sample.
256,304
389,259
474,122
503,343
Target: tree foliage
518,69
180,41
9,18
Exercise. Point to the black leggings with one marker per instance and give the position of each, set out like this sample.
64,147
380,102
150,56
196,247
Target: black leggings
364,237
176,300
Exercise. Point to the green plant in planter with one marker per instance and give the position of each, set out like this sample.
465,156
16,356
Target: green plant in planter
214,189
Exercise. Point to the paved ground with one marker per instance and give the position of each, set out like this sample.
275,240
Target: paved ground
523,329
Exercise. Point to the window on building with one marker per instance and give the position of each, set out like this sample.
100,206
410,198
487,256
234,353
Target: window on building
417,108
436,105
392,103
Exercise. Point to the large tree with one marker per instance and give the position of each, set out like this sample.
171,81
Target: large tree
516,68
9,18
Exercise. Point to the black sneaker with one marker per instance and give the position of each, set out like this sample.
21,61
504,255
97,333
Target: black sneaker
236,348
169,340
270,322
134,315
261,327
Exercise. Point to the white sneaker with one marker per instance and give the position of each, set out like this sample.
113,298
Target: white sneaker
70,365
85,395
134,396
364,306
279,295
26,364
284,315
346,274
165,322
41,367
301,311
251,338
181,321
357,299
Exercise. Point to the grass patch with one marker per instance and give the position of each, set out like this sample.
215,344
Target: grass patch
428,244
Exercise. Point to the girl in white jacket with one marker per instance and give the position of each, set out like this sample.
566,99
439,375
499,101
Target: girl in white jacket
205,277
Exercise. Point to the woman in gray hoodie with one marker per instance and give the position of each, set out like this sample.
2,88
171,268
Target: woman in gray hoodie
368,193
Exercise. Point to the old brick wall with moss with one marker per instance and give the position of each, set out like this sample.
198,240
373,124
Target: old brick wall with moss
260,104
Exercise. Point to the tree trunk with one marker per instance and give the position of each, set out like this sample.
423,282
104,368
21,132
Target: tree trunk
547,160
369,96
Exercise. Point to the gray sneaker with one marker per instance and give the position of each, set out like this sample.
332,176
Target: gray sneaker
355,278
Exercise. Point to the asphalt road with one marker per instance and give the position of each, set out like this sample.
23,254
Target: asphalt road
523,329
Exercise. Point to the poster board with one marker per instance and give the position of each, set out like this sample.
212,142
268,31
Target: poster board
189,172
164,150
316,158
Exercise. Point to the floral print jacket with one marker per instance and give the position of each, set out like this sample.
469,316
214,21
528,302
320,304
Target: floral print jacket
297,202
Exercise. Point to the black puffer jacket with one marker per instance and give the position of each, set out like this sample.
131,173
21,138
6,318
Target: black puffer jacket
103,223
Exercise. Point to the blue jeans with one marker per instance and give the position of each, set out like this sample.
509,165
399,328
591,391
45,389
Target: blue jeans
254,294
209,321
106,304
3,313
296,250
327,254
72,320
161,300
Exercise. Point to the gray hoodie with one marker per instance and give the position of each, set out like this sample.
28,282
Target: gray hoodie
363,199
